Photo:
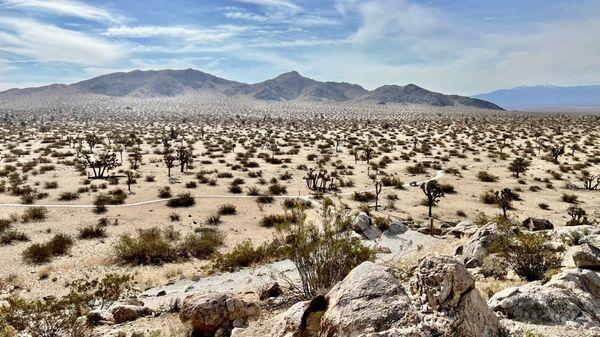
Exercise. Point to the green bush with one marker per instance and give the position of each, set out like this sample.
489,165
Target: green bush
149,247
528,255
244,254
323,255
201,245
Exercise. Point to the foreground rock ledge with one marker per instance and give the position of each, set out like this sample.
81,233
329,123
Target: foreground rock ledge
371,302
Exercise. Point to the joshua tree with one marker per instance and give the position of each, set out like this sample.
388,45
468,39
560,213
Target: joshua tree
433,192
135,158
557,151
100,163
130,179
185,157
590,182
318,182
92,139
519,165
577,214
368,151
378,187
169,160
504,199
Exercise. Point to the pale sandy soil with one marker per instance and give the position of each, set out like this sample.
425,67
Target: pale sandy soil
446,139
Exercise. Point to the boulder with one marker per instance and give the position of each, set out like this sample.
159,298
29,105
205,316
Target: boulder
128,312
535,224
396,228
451,303
372,233
100,317
361,222
572,296
478,247
462,229
369,301
212,313
589,255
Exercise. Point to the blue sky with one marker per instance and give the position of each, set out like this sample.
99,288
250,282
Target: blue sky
463,47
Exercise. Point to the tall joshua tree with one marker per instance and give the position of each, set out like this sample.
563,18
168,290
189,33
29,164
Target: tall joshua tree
433,192
519,165
378,186
504,199
557,151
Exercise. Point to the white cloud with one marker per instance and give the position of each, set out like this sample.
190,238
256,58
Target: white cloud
191,34
46,43
282,4
66,7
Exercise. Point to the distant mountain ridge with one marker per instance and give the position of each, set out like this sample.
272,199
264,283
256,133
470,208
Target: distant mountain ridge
290,86
545,96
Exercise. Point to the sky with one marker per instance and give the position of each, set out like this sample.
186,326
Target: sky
463,47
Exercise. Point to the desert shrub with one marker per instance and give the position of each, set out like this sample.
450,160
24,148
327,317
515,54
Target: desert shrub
200,245
153,246
96,231
149,247
68,196
544,206
174,217
323,255
274,220
8,236
50,185
60,244
486,177
264,199
528,255
569,198
164,192
447,188
227,209
382,223
416,169
213,220
294,203
244,254
59,317
392,181
34,214
277,189
182,200
488,198
363,197
235,189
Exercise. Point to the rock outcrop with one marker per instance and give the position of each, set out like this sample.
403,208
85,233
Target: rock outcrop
450,303
215,313
371,302
128,312
478,247
571,296
363,225
589,255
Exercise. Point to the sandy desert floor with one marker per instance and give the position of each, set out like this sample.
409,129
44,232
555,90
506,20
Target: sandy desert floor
40,163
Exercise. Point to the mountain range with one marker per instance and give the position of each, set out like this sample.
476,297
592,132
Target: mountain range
545,97
289,86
